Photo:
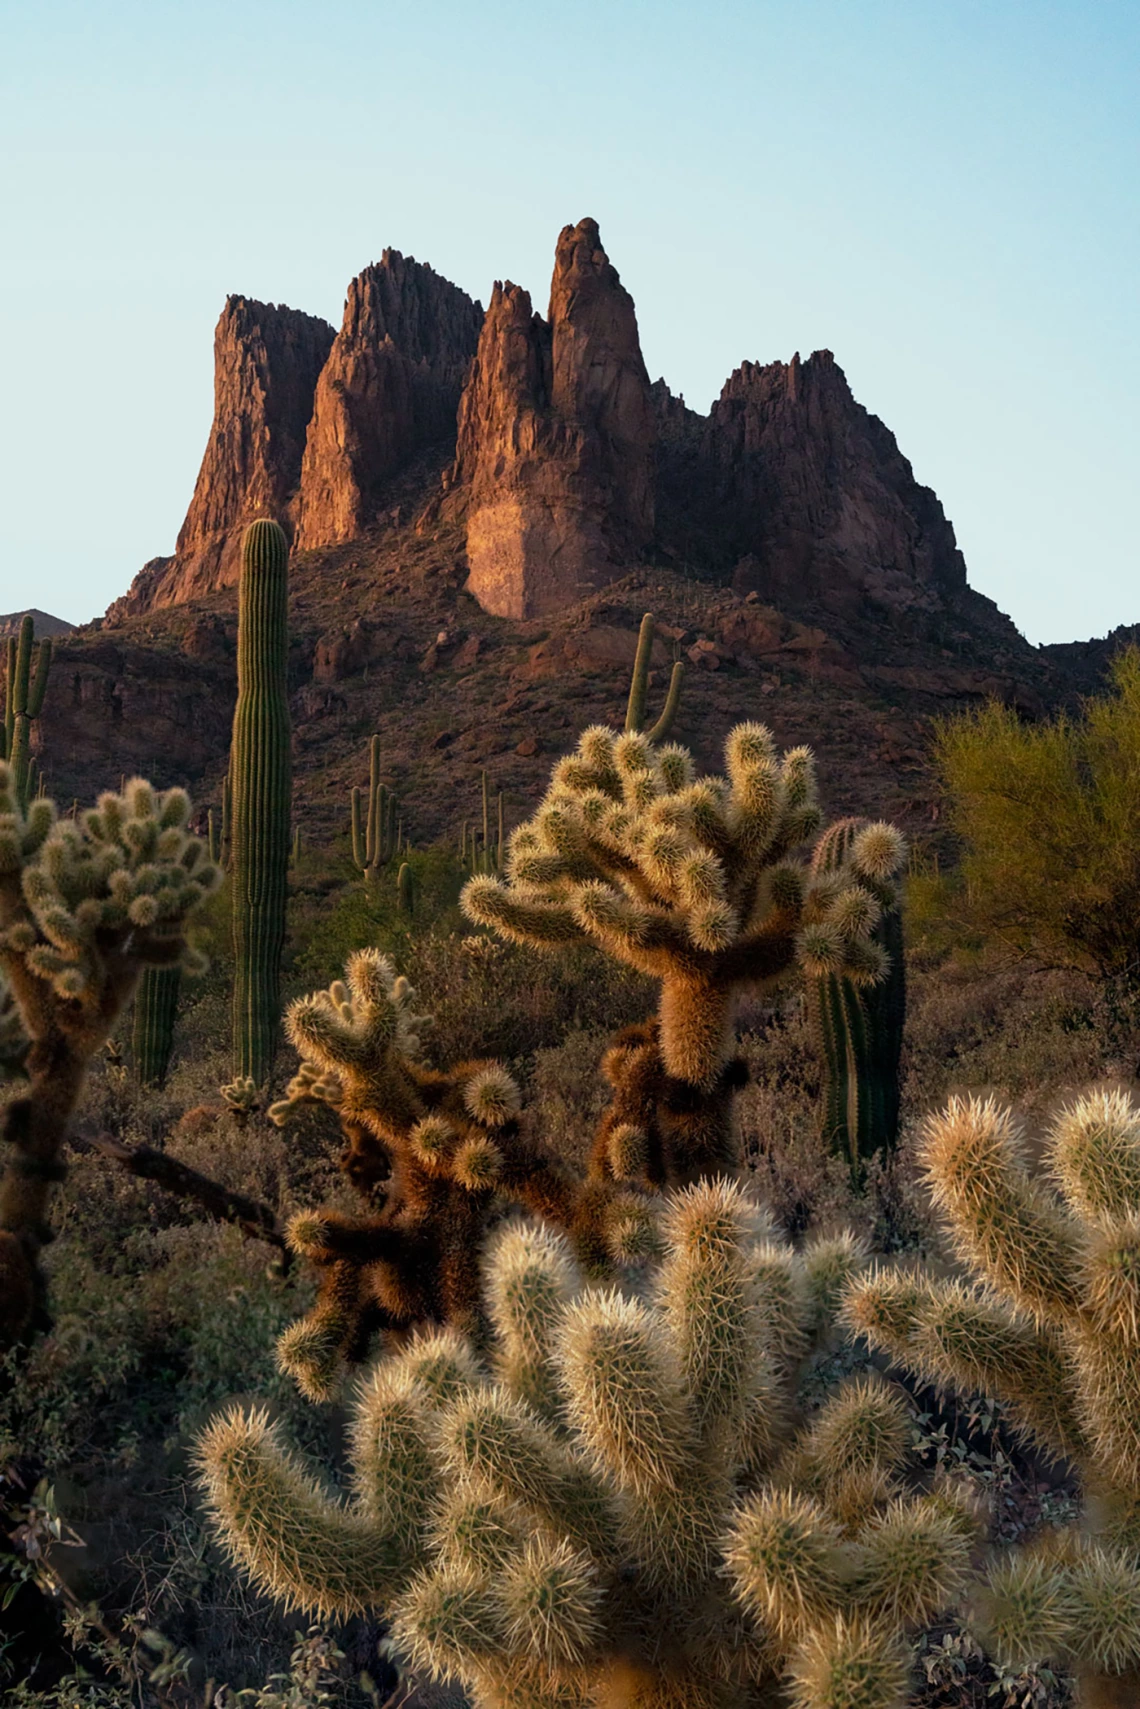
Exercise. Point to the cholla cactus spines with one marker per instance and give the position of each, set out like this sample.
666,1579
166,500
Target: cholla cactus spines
85,905
28,663
260,772
568,1516
432,1154
859,1027
1052,1327
689,879
636,711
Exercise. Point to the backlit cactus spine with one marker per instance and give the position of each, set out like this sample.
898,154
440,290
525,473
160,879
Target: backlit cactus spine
261,783
28,663
859,1028
1049,1322
156,1011
609,1508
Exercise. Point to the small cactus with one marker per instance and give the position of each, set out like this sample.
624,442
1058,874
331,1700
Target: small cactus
433,1156
156,1010
610,1502
858,1027
635,715
374,834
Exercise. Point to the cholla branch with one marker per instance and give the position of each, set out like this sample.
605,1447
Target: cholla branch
85,905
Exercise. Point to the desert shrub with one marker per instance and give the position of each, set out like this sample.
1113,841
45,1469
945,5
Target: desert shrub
1049,820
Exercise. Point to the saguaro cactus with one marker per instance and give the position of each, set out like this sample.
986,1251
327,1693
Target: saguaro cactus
260,775
1052,1327
374,841
156,1010
859,1028
609,1508
635,715
28,663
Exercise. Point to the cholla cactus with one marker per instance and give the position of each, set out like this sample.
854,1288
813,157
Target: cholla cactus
1049,1321
85,905
690,879
611,1506
432,1154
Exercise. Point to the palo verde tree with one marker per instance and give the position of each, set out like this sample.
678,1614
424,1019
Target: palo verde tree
1048,815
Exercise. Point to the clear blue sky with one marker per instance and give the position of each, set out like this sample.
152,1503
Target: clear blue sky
945,195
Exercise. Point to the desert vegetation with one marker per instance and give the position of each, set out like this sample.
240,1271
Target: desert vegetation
696,1241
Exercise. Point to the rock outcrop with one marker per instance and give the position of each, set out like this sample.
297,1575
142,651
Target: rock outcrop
813,499
389,389
554,463
266,363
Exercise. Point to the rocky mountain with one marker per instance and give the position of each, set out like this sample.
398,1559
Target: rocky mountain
470,584
569,469
554,465
45,624
309,425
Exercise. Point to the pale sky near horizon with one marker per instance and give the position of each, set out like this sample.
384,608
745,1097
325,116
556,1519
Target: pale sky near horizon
945,195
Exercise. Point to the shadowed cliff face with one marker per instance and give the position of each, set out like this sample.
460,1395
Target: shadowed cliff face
814,492
554,463
389,389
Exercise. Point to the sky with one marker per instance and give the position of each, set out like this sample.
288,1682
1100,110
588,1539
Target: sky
944,195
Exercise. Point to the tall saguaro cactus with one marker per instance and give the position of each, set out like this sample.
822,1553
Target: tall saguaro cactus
28,663
156,1010
859,1028
260,778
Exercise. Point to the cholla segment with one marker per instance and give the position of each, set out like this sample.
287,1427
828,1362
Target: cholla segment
690,880
624,1545
85,906
1052,1327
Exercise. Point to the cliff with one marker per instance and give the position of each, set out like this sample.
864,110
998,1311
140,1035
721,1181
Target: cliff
814,495
389,389
554,463
266,363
